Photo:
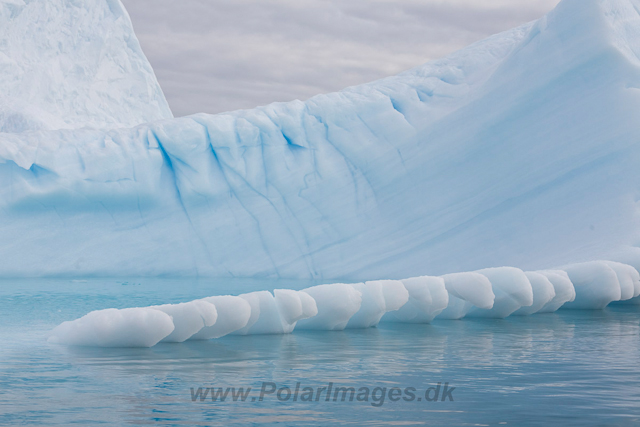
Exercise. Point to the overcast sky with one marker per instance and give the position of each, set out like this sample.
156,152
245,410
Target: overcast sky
220,55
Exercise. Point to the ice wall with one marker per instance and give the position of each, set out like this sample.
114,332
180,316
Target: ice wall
520,150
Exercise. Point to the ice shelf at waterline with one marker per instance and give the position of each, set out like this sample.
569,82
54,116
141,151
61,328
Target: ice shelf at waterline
493,292
522,150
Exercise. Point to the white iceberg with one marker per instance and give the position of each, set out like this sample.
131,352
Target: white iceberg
495,293
503,153
73,64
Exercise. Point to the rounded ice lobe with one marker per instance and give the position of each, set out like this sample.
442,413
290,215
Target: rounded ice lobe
472,287
336,304
512,290
256,300
543,293
631,257
129,327
428,296
629,279
188,318
564,290
456,309
294,306
466,291
394,292
277,313
501,291
378,298
233,314
596,285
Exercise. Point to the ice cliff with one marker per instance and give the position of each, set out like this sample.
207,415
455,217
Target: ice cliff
520,150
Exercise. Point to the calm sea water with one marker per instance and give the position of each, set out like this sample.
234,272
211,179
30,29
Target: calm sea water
567,368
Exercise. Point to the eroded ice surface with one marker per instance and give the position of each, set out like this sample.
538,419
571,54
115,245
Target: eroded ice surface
512,291
428,296
338,306
234,313
520,150
188,318
129,327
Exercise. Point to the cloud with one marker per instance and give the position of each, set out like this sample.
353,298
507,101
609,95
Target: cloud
215,55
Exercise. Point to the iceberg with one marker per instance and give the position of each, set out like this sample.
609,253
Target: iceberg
493,293
520,150
501,179
73,64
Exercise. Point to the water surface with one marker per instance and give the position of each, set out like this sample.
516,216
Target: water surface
568,368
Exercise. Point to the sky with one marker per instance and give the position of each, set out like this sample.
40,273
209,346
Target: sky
219,55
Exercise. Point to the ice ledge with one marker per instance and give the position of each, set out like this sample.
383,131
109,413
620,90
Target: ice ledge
494,293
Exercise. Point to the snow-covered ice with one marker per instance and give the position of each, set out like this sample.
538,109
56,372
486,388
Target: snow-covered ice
294,306
72,64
